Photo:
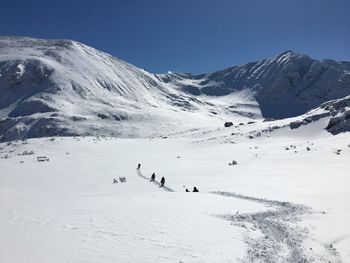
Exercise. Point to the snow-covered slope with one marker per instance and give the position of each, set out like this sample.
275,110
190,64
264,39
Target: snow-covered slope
337,112
286,199
62,87
66,88
270,190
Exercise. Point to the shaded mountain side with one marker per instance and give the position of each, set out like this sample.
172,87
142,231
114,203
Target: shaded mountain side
340,111
337,111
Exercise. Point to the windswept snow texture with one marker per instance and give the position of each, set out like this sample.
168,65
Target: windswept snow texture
65,88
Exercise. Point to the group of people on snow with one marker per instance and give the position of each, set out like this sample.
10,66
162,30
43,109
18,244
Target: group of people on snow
153,178
194,190
162,181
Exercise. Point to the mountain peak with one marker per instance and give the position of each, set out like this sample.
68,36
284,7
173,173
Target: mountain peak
287,54
290,52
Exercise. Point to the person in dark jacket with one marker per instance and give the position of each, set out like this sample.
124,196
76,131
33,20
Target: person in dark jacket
195,189
187,190
139,166
153,177
162,181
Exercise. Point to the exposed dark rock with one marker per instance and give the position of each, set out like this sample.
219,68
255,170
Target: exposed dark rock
268,119
340,123
27,108
77,118
119,117
228,124
102,116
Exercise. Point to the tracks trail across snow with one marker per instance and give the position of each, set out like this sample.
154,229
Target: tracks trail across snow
165,188
277,237
273,235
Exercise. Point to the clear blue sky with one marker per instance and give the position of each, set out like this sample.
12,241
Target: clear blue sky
188,35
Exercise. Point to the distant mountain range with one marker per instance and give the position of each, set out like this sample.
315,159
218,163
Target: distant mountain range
63,87
286,85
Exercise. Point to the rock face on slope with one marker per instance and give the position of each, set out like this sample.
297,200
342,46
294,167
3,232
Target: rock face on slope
286,85
62,87
337,111
340,111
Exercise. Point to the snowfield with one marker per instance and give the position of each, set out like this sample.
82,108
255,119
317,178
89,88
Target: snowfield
286,200
273,183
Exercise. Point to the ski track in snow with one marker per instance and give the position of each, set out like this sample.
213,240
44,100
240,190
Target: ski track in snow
165,188
275,234
280,238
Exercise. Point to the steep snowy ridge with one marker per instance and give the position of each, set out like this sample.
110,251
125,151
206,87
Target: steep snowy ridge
75,69
63,87
286,85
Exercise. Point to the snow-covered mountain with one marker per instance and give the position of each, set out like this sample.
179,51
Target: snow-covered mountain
270,190
286,85
62,87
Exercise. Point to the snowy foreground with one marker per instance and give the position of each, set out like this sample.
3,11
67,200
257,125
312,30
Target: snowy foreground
275,205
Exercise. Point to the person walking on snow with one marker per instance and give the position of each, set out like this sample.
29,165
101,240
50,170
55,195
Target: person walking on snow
153,177
162,181
138,166
195,189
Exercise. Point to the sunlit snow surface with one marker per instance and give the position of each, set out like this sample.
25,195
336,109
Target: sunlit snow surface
275,205
65,88
268,193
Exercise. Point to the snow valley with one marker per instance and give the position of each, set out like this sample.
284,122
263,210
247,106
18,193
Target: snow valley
75,122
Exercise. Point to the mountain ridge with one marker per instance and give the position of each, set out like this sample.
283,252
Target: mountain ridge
63,87
308,81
